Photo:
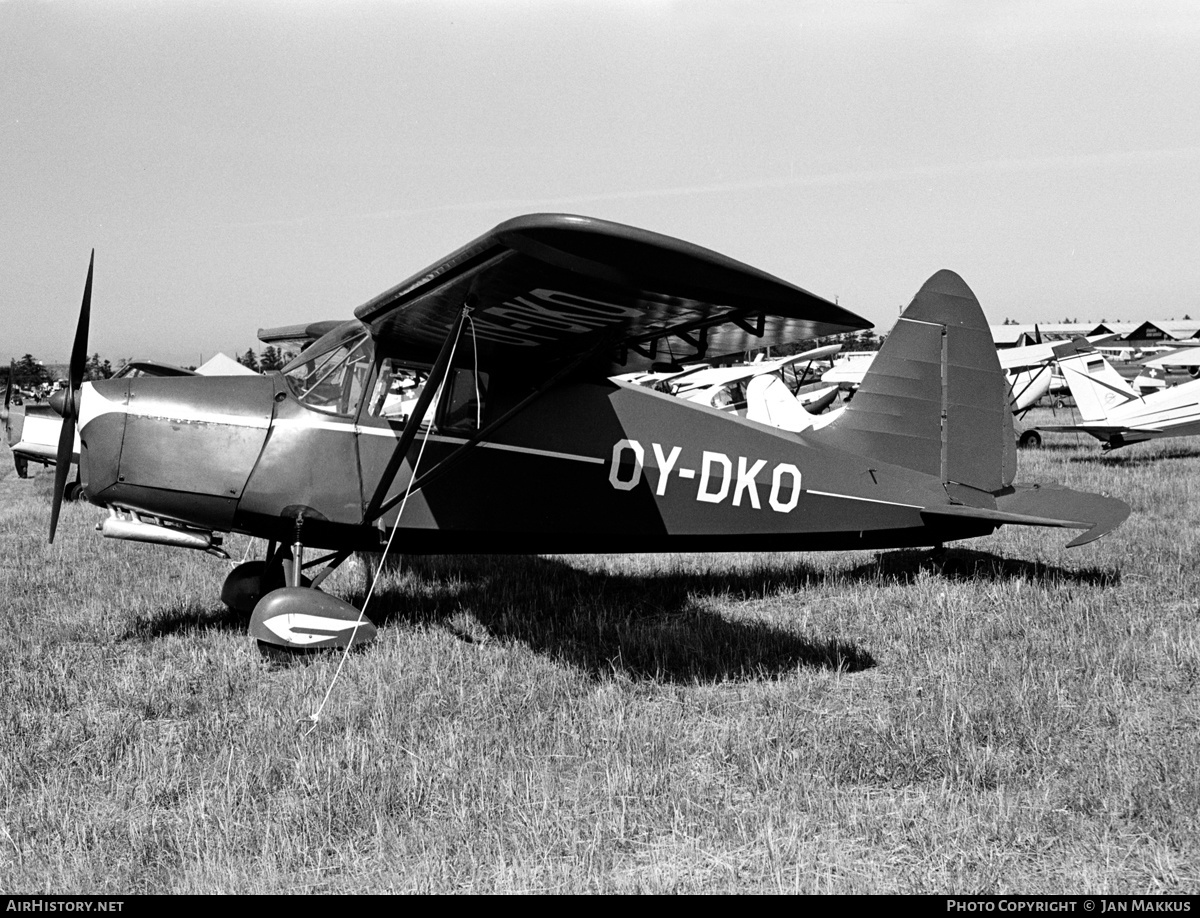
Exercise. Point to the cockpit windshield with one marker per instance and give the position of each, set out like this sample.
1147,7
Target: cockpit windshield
329,376
332,375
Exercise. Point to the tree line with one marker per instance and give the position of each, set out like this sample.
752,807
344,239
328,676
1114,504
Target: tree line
271,358
28,371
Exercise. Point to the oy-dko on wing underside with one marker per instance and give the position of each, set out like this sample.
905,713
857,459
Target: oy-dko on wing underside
545,287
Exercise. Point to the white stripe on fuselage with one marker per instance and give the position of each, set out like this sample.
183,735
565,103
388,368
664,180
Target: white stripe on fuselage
869,500
93,405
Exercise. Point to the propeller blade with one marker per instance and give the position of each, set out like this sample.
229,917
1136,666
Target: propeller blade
79,353
66,437
62,468
12,365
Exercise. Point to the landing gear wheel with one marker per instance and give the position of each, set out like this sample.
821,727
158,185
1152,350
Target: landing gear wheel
22,465
251,581
1030,439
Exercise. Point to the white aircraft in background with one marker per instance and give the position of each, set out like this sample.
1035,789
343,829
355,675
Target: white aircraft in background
754,390
849,369
1114,412
1157,367
1030,369
33,435
1184,358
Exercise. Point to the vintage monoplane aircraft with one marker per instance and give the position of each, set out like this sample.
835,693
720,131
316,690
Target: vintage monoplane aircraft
1116,413
470,409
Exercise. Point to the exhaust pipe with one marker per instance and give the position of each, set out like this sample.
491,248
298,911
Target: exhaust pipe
133,528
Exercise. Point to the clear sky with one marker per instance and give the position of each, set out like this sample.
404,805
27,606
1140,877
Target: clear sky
253,163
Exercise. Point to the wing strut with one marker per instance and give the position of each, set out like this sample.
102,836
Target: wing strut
374,508
605,341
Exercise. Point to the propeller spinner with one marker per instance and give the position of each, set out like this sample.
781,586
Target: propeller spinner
66,439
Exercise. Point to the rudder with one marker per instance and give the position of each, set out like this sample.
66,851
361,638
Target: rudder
935,399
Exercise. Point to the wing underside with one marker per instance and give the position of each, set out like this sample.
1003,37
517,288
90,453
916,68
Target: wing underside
547,287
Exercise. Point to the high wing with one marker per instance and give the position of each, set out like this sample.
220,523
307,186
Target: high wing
545,288
1183,357
1037,355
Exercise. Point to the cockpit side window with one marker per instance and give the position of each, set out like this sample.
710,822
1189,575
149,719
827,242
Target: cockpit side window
397,390
400,385
332,381
464,403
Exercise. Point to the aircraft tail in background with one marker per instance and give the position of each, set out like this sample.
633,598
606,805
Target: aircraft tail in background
1096,387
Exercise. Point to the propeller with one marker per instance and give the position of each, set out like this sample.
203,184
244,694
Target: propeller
70,413
12,368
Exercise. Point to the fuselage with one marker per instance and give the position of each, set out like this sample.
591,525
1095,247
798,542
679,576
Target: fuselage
586,466
1174,410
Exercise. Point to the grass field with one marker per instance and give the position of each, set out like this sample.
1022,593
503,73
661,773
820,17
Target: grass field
1022,719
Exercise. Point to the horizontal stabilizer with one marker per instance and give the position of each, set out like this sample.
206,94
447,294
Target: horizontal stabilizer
1048,505
1100,430
1112,436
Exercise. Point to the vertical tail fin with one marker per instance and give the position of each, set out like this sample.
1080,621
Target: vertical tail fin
935,399
1096,387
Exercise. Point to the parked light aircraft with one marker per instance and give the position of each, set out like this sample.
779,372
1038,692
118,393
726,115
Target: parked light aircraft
33,435
849,369
470,409
1184,358
1115,413
1156,369
750,389
1028,371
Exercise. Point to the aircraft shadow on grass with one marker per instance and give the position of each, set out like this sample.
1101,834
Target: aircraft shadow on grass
964,564
657,626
